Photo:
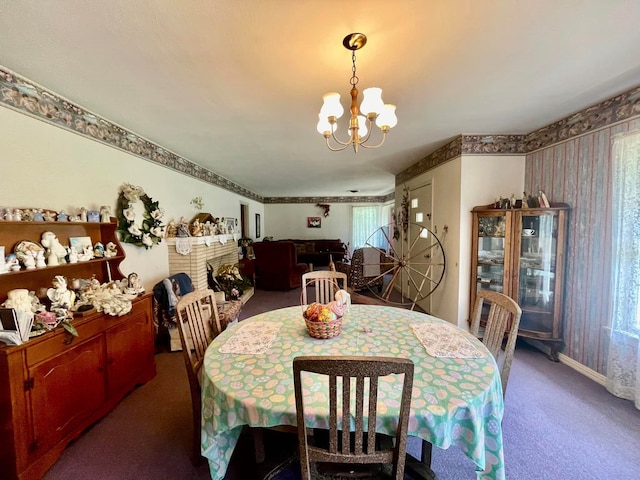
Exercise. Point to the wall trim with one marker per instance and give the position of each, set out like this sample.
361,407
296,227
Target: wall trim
584,370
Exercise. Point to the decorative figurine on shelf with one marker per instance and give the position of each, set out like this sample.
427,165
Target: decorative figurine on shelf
86,255
183,228
111,250
61,297
56,253
62,216
172,230
196,228
105,214
134,286
83,214
37,215
49,216
40,262
17,215
73,255
98,250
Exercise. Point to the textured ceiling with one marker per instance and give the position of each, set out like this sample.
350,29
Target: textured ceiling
236,86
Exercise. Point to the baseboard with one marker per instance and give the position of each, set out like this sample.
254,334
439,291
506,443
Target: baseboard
580,368
570,362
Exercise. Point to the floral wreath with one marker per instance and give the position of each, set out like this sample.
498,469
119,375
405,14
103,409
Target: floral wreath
151,231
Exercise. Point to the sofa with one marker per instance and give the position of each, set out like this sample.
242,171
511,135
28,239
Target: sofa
277,266
317,252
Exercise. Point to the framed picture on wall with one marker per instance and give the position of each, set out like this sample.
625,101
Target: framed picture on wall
314,222
258,232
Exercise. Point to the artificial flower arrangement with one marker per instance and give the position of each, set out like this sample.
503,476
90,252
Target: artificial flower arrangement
150,230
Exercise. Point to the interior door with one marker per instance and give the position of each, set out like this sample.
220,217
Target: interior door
416,275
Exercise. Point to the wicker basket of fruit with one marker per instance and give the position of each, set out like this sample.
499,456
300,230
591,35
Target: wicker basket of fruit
321,321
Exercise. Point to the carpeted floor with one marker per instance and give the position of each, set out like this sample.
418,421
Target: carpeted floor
558,424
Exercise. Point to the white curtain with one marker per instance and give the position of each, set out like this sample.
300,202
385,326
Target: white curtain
623,365
366,222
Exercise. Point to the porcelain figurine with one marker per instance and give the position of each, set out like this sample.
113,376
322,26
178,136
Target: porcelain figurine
111,250
40,262
98,250
62,216
61,297
105,214
49,216
56,253
73,255
83,214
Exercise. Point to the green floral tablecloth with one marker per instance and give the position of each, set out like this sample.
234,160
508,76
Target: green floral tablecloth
456,401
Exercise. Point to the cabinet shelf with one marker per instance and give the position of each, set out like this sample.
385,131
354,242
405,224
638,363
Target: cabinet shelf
65,266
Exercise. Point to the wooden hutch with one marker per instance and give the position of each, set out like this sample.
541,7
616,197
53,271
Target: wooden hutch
55,385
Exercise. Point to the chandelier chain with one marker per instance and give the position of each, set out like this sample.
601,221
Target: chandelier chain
354,79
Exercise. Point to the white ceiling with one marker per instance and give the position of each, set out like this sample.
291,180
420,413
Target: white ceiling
236,85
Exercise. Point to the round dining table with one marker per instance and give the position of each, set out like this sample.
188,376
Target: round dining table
457,394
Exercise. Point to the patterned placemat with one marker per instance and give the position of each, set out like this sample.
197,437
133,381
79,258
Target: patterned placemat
252,337
442,340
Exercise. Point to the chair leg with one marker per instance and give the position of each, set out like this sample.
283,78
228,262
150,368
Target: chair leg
258,444
427,449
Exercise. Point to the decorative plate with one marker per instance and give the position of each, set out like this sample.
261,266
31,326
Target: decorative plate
23,248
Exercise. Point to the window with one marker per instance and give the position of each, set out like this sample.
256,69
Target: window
626,234
366,221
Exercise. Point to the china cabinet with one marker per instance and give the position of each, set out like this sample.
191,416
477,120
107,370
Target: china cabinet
520,252
55,386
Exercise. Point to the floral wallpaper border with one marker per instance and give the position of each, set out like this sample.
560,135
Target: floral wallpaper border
606,113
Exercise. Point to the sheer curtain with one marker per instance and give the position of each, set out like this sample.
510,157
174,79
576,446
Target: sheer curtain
366,220
623,365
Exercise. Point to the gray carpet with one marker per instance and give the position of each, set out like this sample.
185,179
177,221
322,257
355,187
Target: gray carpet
558,424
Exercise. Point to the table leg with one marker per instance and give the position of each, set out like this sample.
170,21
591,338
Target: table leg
258,443
421,469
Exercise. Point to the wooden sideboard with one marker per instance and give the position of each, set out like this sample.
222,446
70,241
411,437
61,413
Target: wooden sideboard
55,386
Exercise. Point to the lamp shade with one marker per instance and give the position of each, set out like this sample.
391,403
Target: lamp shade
331,106
372,101
324,125
388,117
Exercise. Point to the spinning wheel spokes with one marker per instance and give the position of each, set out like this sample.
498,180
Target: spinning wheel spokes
412,267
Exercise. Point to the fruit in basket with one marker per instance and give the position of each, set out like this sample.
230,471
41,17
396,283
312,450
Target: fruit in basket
316,312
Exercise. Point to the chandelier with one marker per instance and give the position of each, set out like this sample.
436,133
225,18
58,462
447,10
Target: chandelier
372,109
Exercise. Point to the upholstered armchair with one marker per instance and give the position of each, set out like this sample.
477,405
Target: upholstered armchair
356,270
277,266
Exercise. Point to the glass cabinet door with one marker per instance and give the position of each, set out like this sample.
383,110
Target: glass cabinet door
490,270
536,271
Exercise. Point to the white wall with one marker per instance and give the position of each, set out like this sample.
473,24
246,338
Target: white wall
458,186
47,167
289,220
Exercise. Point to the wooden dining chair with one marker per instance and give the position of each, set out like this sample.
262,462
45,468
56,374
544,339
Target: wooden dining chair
325,283
198,324
502,321
358,447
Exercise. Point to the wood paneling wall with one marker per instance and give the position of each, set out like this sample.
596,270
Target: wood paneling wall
578,172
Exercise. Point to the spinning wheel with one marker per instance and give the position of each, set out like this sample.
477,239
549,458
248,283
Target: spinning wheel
412,264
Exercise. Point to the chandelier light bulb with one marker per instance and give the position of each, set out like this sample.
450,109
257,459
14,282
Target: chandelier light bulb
372,101
331,106
388,117
324,127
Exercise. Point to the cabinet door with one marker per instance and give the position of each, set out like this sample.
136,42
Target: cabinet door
67,388
129,352
535,282
492,253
